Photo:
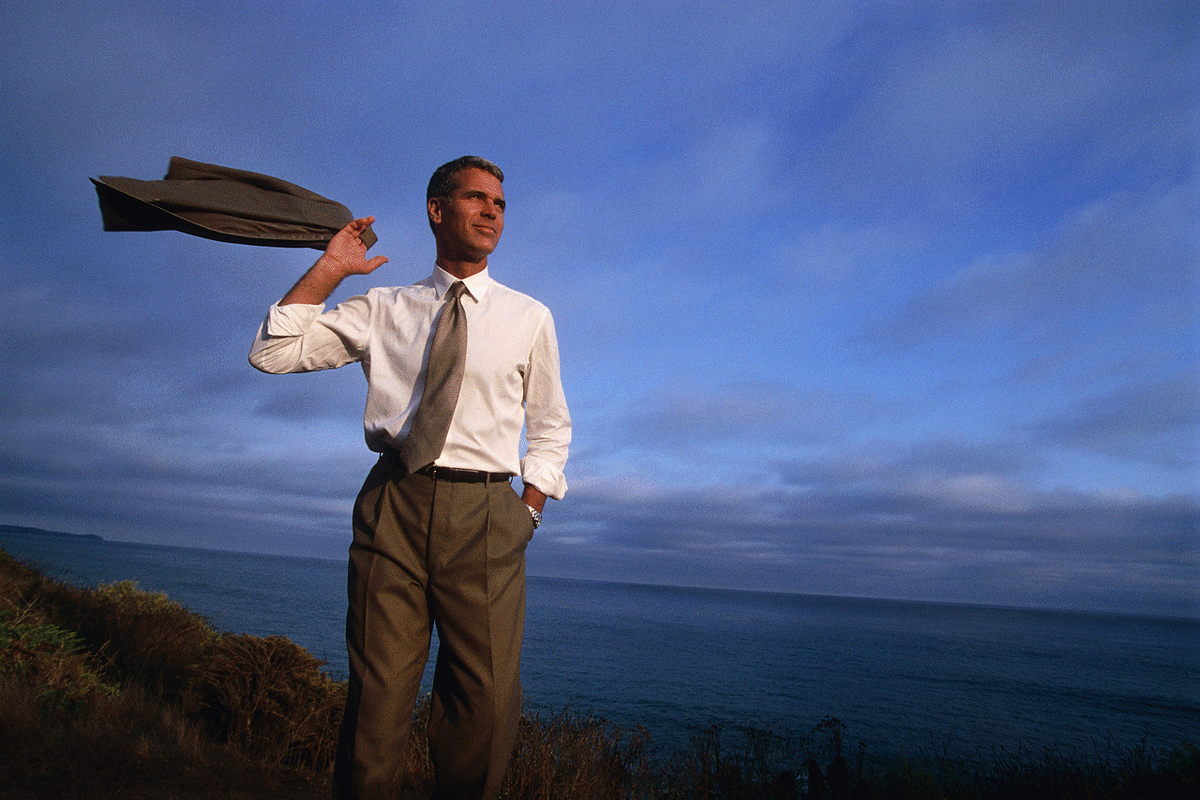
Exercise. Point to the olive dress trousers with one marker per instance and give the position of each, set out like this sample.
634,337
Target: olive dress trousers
445,553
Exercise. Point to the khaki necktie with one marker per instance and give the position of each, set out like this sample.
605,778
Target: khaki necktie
443,379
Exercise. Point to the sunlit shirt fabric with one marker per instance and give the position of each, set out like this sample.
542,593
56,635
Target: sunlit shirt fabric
512,370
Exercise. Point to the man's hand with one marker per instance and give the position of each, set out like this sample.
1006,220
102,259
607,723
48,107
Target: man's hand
534,498
347,251
344,255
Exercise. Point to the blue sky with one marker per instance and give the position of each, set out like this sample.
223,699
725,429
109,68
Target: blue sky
887,299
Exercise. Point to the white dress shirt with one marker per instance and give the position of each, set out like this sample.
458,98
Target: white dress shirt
511,376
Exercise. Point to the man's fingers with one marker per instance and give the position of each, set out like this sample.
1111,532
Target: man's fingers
355,227
348,248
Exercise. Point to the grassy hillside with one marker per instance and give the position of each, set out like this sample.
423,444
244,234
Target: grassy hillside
114,692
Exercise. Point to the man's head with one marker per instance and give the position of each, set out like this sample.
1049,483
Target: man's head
465,202
445,177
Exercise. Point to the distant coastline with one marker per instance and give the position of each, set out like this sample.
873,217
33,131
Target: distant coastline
1186,609
41,532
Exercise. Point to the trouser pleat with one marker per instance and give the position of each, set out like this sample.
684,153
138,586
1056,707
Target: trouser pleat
431,553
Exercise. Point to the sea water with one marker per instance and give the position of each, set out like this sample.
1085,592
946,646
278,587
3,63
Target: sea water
899,675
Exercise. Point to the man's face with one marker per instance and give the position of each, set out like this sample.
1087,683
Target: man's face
468,223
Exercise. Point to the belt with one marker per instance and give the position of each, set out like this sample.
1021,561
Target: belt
462,475
449,474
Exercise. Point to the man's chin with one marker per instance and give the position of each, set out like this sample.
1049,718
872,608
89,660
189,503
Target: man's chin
485,249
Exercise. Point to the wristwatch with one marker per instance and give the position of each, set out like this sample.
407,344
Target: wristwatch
537,516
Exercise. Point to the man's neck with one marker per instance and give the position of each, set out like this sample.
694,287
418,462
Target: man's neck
462,269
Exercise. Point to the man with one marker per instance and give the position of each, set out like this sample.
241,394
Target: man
439,532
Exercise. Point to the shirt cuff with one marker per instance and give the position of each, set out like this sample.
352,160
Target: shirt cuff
545,477
292,319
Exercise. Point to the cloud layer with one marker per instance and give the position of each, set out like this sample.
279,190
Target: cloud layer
886,299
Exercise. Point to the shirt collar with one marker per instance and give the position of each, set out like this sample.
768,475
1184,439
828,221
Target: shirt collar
477,284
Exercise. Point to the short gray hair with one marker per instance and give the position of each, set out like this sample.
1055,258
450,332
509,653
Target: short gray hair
443,181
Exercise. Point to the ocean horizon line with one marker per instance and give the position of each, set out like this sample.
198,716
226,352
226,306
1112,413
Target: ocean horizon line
909,601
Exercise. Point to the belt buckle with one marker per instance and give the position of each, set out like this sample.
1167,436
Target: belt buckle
437,473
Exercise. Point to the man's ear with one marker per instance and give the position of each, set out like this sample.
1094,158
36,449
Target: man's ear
434,206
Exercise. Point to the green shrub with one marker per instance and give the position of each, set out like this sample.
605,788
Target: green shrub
49,660
148,638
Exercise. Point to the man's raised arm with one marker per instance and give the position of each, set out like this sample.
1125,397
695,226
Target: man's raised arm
344,255
288,339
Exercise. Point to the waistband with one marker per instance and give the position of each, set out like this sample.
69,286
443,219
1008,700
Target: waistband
462,475
449,474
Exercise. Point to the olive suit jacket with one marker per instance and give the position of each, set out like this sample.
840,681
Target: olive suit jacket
228,205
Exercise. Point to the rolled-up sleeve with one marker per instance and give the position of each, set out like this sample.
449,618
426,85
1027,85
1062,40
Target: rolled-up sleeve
547,420
301,338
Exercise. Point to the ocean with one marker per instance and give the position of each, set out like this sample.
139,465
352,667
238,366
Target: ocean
901,676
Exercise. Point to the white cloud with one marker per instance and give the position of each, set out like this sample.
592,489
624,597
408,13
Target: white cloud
1116,261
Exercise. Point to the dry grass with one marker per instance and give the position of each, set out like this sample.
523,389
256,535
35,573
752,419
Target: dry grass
117,693
91,688
268,697
579,758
